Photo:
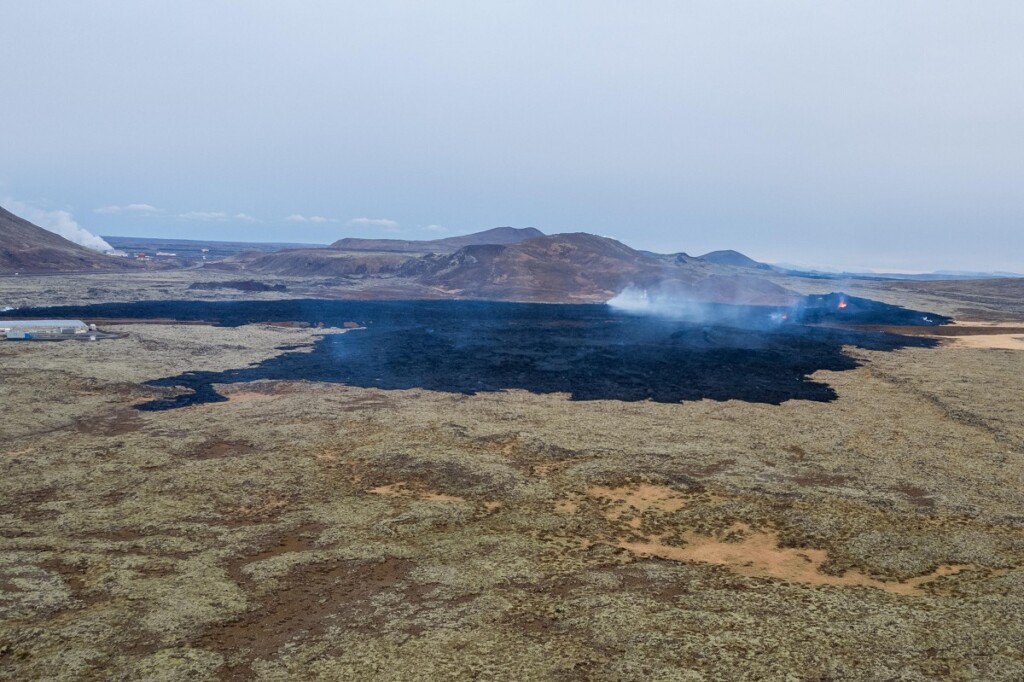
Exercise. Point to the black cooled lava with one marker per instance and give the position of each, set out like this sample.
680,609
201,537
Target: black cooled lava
591,352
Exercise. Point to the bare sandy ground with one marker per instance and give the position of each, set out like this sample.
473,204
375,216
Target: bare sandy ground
738,548
984,334
642,498
990,325
1006,335
402,489
1000,341
758,554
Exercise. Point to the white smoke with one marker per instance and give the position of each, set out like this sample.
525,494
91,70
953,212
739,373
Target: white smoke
58,222
644,302
631,300
676,303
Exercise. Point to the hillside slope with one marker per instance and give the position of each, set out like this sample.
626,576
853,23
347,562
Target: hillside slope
27,248
581,267
560,268
733,258
497,235
359,257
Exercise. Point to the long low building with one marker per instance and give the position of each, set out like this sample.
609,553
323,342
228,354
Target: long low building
22,329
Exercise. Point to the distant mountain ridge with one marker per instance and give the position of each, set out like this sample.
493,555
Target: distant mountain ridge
585,267
27,248
497,235
516,265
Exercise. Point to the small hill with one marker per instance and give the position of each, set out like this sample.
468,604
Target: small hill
324,262
497,235
579,267
733,258
368,257
29,249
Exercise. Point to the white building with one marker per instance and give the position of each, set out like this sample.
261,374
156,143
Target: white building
27,329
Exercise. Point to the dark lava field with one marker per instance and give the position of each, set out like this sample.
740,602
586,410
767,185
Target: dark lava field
591,352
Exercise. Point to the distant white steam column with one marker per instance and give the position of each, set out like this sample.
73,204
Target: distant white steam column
59,222
631,299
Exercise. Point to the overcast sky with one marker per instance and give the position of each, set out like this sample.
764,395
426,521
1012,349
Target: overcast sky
849,134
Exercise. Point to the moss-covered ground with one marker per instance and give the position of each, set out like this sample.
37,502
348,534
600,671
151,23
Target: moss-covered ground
325,532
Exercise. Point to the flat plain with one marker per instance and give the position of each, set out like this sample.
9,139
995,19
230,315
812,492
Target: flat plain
304,530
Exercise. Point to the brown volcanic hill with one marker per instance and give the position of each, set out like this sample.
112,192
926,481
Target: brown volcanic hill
577,267
28,248
497,235
734,258
581,267
356,257
317,262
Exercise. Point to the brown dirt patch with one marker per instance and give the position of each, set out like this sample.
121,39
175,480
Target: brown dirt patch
981,324
75,577
120,422
998,341
757,554
301,539
1002,335
27,506
313,598
919,496
958,330
402,489
638,498
545,470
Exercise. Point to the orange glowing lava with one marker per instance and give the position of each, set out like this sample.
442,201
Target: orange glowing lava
842,304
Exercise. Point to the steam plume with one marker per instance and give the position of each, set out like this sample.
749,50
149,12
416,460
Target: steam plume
59,222
672,304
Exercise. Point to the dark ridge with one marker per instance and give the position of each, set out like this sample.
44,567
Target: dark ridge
590,352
